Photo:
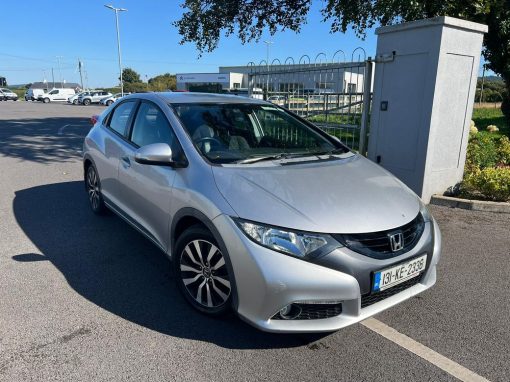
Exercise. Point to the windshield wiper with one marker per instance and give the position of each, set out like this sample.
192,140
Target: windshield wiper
254,159
263,158
330,152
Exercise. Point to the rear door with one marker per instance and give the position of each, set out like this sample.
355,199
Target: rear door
145,190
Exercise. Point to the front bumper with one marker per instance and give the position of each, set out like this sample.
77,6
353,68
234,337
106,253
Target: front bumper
266,281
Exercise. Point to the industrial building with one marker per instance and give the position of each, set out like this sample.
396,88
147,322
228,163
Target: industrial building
304,78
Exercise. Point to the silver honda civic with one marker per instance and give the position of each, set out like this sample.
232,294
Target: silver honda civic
260,211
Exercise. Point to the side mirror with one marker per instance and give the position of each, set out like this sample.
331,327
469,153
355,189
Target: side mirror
159,154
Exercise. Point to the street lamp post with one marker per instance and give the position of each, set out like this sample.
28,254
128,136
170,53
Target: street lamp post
268,44
117,10
60,71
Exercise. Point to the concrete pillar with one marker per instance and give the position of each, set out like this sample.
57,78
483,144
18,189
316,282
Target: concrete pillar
424,88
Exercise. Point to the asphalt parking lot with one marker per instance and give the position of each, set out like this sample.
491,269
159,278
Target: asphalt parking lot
85,298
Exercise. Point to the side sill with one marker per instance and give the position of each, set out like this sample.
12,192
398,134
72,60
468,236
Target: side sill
119,212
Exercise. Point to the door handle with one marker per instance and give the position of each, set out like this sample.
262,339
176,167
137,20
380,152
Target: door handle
126,162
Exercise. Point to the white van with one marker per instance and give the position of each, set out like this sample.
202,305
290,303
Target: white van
32,94
56,95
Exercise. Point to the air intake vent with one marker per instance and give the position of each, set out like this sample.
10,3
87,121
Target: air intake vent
373,298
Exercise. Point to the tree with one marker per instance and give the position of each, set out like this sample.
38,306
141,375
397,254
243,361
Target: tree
163,82
204,20
130,76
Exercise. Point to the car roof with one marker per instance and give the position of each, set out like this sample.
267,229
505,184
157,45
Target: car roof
178,97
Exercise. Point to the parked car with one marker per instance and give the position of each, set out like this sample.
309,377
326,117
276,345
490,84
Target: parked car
260,211
107,101
7,94
74,98
56,95
33,94
93,97
277,100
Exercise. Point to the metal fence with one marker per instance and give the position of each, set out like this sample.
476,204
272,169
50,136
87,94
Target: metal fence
334,94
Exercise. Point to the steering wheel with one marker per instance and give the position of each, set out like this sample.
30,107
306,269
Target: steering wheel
214,141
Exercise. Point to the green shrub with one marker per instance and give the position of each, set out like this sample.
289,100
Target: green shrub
504,151
482,152
493,183
487,171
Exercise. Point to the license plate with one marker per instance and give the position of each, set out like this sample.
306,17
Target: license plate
395,275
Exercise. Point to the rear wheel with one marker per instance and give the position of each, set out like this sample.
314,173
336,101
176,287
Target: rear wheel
202,273
93,186
109,102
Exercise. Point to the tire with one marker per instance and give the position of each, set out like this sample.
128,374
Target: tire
109,102
75,102
46,100
202,277
86,102
93,187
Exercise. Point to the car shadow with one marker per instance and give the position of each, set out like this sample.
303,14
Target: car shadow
113,266
43,140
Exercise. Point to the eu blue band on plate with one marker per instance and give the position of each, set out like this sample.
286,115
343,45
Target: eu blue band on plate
377,280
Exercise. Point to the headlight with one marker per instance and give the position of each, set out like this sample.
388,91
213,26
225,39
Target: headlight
427,217
295,243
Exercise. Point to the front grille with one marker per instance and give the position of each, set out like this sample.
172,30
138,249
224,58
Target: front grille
314,311
372,298
377,244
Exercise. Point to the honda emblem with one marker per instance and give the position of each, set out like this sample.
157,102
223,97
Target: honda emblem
396,241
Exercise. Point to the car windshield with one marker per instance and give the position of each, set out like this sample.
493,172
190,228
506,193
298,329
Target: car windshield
248,133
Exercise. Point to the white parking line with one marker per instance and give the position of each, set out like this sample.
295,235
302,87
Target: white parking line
61,130
445,364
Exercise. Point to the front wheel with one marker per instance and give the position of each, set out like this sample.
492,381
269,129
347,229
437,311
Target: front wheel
75,102
46,100
93,186
109,102
202,273
86,102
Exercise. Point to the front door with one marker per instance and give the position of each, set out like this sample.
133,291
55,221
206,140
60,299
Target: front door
113,144
145,190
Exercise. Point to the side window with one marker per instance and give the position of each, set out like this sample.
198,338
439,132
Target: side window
120,117
54,92
151,126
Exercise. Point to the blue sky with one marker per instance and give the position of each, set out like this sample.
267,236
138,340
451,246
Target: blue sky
41,31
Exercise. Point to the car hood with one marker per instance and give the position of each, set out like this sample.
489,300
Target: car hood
349,195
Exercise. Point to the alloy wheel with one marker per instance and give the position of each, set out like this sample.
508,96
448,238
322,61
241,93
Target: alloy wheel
93,188
204,273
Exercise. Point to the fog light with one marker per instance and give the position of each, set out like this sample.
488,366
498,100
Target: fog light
290,312
286,310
